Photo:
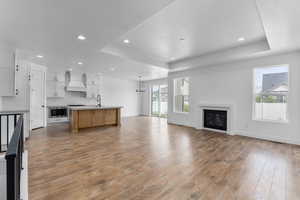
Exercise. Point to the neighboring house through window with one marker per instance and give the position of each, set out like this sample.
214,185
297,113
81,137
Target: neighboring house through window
271,88
181,95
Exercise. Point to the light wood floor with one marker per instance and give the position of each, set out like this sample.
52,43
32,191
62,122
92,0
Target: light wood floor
148,159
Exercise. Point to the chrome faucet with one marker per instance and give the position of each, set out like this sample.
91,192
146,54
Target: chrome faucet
99,100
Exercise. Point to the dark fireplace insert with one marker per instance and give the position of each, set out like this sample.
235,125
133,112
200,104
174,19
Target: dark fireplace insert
215,119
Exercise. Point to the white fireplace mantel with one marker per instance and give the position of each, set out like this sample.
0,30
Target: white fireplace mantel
217,106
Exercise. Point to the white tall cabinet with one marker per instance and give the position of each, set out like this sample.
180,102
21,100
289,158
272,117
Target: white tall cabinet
8,72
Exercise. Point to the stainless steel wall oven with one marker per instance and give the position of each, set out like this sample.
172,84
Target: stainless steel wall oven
57,114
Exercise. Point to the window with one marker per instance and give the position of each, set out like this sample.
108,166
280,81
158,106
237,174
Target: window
159,100
271,88
181,95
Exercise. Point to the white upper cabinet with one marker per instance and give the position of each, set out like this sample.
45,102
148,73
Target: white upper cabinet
92,79
6,81
55,89
58,77
19,100
91,91
7,73
55,85
93,85
60,83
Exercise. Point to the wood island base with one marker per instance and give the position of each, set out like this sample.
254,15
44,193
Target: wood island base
93,117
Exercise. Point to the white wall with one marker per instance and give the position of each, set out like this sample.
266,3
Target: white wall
121,93
146,96
232,84
115,92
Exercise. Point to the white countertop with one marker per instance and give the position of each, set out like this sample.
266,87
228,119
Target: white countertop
93,107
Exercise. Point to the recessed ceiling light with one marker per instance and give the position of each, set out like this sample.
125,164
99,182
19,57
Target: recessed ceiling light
80,63
126,41
39,56
81,37
241,39
112,69
172,58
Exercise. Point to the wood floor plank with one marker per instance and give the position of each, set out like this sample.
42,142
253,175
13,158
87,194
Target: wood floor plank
148,159
278,187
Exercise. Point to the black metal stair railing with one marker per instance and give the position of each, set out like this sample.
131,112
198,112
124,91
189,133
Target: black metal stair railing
8,123
14,156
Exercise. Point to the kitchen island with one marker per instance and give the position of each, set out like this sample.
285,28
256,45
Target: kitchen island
94,116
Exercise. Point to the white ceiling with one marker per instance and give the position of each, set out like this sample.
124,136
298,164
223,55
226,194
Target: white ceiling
281,21
206,26
125,68
210,29
105,64
50,28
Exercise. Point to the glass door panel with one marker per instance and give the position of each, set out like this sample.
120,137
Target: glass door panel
155,100
163,100
159,100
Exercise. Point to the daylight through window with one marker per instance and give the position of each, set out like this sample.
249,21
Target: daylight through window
181,95
271,88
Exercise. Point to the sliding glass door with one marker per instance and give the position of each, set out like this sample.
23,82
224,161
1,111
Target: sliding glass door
159,100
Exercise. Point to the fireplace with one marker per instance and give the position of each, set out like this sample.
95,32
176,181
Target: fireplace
215,119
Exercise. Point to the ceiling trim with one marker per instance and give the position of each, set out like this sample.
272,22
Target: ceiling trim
221,56
137,57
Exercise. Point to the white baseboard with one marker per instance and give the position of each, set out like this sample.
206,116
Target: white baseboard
180,123
247,134
267,137
24,177
260,136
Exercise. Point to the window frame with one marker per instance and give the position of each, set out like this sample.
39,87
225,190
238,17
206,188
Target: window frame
254,94
174,96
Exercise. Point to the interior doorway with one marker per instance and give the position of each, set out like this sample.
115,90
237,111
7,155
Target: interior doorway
159,100
37,96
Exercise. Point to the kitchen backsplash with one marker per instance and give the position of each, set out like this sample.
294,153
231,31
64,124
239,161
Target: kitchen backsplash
71,98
